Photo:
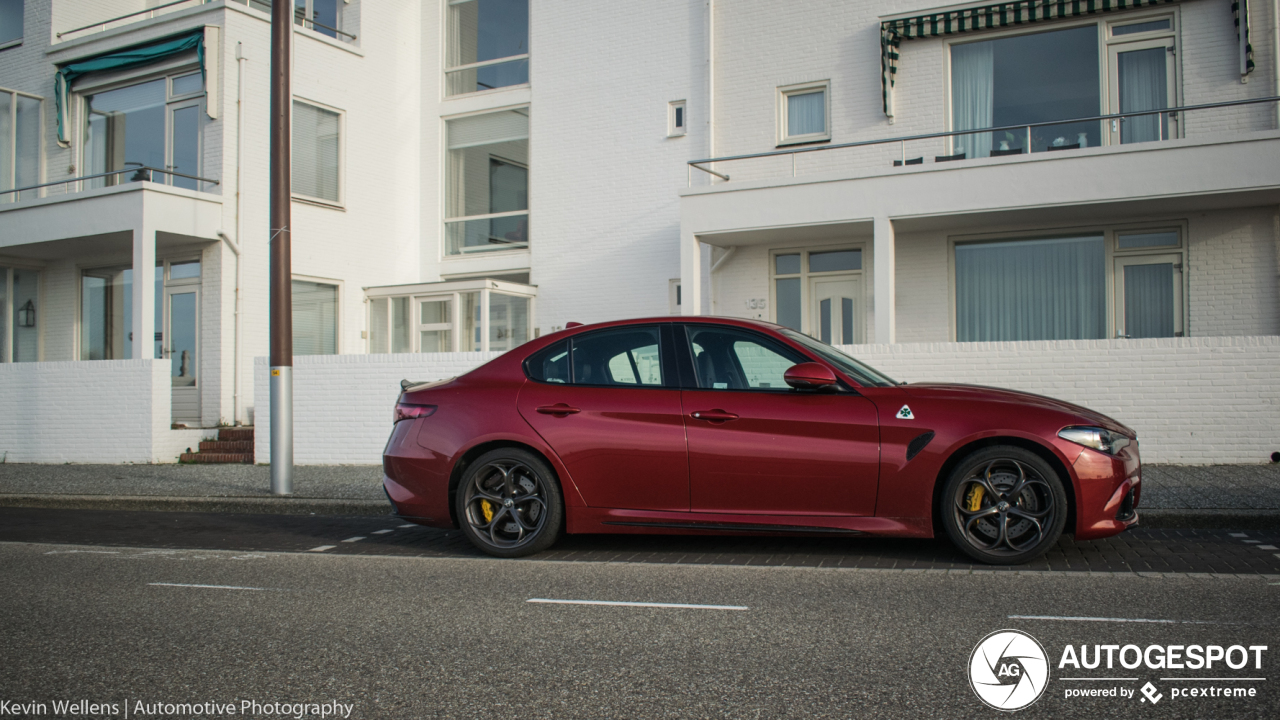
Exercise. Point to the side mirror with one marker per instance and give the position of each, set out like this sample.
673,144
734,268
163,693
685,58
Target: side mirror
809,376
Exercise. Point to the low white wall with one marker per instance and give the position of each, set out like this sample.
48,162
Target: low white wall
1192,400
104,411
342,403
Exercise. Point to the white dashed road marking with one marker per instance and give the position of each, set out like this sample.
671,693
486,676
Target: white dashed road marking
322,548
1266,547
1252,542
211,587
637,604
408,525
1239,534
1106,619
357,538
382,532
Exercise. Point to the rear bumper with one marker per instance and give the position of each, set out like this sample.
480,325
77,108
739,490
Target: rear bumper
1109,491
415,479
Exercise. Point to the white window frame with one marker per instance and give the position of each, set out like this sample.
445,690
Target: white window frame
1113,308
445,255
674,130
309,24
425,293
784,93
337,345
166,72
163,266
808,325
341,202
1106,41
447,69
12,170
6,306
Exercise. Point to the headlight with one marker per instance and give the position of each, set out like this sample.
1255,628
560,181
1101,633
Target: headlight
1096,438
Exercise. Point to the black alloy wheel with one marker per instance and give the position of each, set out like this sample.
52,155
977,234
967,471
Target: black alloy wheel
1004,505
509,503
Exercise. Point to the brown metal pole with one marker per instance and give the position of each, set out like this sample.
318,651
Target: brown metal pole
281,362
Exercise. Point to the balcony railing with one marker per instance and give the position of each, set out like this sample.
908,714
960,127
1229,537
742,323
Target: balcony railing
1015,140
110,178
299,18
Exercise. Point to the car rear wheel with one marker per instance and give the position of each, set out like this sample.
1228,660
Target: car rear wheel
1004,505
509,503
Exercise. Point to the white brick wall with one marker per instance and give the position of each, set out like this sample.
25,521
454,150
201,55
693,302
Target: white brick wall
1191,400
342,403
110,411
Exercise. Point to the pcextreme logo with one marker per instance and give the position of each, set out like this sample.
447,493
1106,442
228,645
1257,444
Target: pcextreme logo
1008,670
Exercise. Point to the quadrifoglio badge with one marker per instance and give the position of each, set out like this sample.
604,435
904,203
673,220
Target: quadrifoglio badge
1010,670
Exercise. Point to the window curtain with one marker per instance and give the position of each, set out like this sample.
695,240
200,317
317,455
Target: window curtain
806,113
1031,290
972,96
130,57
315,318
1143,86
1148,300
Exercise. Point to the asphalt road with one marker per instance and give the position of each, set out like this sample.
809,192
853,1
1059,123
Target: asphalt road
124,608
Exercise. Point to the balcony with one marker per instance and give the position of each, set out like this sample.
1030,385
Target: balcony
318,15
1101,135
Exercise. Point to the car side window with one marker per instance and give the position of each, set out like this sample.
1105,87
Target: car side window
731,359
550,365
627,356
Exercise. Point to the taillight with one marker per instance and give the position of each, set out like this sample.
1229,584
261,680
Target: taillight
409,411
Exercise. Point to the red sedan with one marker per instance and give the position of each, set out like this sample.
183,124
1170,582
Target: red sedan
716,425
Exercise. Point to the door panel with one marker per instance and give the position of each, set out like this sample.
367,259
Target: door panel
756,447
1149,296
1142,78
615,424
837,310
181,339
801,453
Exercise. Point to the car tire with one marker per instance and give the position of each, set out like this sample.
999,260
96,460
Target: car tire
1004,505
509,503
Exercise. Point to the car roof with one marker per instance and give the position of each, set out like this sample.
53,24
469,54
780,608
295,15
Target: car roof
710,319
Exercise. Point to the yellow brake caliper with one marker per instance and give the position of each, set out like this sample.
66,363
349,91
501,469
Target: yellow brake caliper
972,499
487,509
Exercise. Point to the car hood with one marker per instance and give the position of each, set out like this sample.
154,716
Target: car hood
979,393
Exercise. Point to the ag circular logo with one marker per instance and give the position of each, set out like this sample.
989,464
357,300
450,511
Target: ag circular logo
1008,670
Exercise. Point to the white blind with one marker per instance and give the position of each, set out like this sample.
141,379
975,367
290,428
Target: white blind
315,152
315,318
488,129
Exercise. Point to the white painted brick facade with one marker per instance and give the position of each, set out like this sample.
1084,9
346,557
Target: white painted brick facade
110,411
342,404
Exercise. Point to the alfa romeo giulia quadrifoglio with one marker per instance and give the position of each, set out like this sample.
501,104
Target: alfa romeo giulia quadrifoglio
706,425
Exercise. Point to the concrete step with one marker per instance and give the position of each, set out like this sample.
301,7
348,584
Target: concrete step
226,446
237,434
204,457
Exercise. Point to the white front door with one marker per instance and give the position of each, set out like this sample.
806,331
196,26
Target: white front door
180,342
837,309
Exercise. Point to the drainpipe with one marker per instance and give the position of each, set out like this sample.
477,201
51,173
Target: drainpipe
1275,53
234,245
711,82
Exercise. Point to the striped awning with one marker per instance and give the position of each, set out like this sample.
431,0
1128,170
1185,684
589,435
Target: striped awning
1015,14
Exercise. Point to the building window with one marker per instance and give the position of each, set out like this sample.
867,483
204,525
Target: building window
11,22
106,315
1056,288
676,120
480,315
315,318
487,45
1048,76
317,151
487,183
820,293
19,144
148,131
323,16
804,113
19,315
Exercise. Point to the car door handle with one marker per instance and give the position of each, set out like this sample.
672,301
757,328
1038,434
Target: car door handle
558,409
714,415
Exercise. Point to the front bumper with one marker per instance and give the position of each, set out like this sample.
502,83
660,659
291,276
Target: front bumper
1110,489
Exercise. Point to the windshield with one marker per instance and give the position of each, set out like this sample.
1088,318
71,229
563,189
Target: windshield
864,374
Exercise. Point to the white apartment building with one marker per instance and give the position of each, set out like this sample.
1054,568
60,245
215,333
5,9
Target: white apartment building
469,174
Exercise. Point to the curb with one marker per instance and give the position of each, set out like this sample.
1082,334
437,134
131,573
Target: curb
248,505
1242,519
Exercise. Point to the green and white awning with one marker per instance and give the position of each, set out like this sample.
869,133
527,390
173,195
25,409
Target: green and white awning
1015,14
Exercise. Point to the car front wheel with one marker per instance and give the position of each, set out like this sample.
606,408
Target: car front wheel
1004,505
509,503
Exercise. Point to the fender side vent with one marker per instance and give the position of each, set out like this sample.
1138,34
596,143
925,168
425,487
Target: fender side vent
915,446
